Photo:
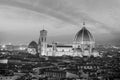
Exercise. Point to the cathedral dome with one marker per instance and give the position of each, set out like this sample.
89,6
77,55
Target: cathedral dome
83,36
33,44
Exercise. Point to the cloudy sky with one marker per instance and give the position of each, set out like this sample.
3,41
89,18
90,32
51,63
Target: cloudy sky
21,20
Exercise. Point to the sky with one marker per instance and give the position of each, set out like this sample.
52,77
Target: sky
22,20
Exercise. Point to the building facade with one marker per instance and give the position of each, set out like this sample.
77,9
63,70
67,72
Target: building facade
83,45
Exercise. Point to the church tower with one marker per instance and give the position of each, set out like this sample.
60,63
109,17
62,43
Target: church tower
42,44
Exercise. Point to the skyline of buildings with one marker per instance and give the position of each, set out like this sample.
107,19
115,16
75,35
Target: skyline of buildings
83,45
59,39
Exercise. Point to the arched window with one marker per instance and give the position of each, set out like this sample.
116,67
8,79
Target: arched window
42,39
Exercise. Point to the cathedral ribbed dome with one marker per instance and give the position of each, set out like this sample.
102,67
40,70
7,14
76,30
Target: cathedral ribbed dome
83,35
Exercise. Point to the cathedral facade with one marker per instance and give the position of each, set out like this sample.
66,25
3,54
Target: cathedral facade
83,45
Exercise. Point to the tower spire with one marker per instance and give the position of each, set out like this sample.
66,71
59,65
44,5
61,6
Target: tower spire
43,27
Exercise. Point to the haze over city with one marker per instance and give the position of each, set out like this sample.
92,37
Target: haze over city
22,20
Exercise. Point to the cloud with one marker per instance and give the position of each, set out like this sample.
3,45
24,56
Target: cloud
101,16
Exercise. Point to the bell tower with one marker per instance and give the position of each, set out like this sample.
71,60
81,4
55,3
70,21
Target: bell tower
42,43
